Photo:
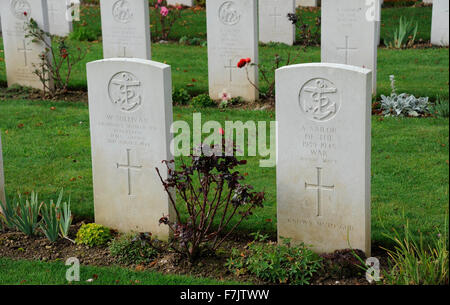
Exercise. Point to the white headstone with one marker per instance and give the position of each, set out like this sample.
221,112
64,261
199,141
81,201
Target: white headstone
349,33
2,177
428,1
126,28
324,149
130,109
232,28
274,26
58,22
22,55
440,23
182,2
309,3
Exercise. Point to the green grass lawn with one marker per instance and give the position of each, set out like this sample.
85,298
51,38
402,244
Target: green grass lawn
45,150
38,273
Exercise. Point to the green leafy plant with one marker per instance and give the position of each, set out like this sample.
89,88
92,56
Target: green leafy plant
83,34
8,213
27,214
195,41
202,101
279,264
50,222
404,35
403,104
92,235
132,249
414,263
56,219
65,220
181,96
440,108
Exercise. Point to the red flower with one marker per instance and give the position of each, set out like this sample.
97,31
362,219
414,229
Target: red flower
242,63
248,60
25,13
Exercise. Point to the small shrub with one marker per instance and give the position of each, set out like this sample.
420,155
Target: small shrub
278,264
212,191
181,96
307,35
9,214
202,101
195,41
92,235
84,34
131,249
166,17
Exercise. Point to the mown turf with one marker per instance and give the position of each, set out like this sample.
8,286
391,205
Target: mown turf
45,150
39,273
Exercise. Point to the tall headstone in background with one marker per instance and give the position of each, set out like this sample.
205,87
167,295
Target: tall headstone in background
349,33
22,55
130,109
440,26
126,28
182,2
58,22
2,176
232,27
274,26
324,149
309,3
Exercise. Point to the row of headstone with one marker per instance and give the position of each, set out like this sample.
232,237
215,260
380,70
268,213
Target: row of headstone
440,23
324,145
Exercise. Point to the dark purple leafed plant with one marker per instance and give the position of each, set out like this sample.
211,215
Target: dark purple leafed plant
212,192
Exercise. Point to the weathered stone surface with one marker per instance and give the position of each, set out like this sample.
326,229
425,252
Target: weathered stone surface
57,17
274,26
130,108
126,29
440,23
22,55
350,34
324,154
232,35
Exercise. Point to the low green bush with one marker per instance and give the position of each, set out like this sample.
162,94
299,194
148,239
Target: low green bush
203,100
131,249
93,234
181,96
278,264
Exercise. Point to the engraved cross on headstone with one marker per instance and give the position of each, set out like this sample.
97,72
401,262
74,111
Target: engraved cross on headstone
24,50
230,68
124,48
275,16
319,188
347,50
129,168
